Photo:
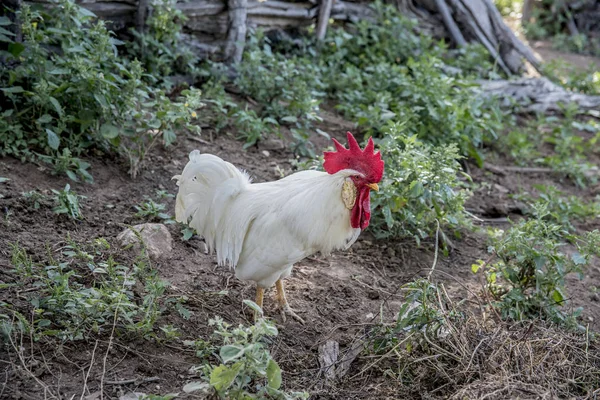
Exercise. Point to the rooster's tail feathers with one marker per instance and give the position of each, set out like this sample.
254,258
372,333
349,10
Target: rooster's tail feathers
206,186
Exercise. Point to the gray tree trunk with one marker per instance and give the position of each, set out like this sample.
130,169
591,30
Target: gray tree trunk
236,35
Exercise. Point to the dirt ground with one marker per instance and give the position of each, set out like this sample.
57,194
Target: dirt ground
340,296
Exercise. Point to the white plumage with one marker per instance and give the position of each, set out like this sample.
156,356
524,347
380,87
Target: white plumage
262,229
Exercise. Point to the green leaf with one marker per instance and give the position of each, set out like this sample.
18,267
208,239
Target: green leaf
44,119
169,137
53,139
187,233
578,259
16,49
290,119
230,352
195,386
56,105
59,71
558,296
2,179
109,131
4,21
273,375
223,376
253,306
5,32
14,89
44,322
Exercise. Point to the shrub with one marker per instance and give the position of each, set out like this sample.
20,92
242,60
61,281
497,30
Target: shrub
528,279
70,92
420,186
160,48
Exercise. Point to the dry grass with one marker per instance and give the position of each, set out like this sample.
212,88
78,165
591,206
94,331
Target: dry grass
475,357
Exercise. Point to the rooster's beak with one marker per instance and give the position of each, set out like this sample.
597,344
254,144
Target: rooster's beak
373,186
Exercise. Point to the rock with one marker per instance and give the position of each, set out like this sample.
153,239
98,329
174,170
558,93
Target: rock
272,144
266,153
156,238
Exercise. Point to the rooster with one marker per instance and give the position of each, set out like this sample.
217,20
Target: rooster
262,229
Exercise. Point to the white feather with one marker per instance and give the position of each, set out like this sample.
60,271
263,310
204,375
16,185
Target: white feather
262,229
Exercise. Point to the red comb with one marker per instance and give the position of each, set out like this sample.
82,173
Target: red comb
364,161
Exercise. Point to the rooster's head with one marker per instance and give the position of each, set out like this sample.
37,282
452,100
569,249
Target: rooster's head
369,170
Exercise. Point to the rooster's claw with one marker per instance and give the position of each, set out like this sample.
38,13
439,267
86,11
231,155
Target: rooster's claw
286,309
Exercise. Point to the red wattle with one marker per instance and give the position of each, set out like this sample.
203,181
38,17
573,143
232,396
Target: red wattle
361,212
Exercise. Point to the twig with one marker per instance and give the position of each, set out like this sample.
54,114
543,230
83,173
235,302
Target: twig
130,381
435,256
85,381
197,139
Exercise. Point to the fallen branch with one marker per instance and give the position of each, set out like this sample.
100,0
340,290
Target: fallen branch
131,381
536,95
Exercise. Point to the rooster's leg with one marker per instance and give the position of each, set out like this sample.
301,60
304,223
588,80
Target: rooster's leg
260,292
283,304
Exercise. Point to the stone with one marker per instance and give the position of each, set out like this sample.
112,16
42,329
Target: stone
272,144
156,237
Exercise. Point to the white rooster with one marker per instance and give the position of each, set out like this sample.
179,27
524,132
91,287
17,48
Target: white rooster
262,229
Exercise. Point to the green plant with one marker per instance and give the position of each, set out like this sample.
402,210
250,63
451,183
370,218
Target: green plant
151,210
160,47
570,155
68,91
419,189
152,121
286,87
88,291
34,198
554,206
252,128
438,108
526,273
67,202
247,370
575,79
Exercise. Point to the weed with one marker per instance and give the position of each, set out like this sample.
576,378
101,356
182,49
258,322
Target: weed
151,210
67,202
88,291
554,206
421,187
528,280
577,80
160,47
69,92
252,128
36,199
570,148
247,370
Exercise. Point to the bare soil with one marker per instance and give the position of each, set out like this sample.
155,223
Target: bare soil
341,297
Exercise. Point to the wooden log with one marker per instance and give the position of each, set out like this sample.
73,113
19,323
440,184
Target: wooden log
324,14
536,95
236,35
140,16
455,33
